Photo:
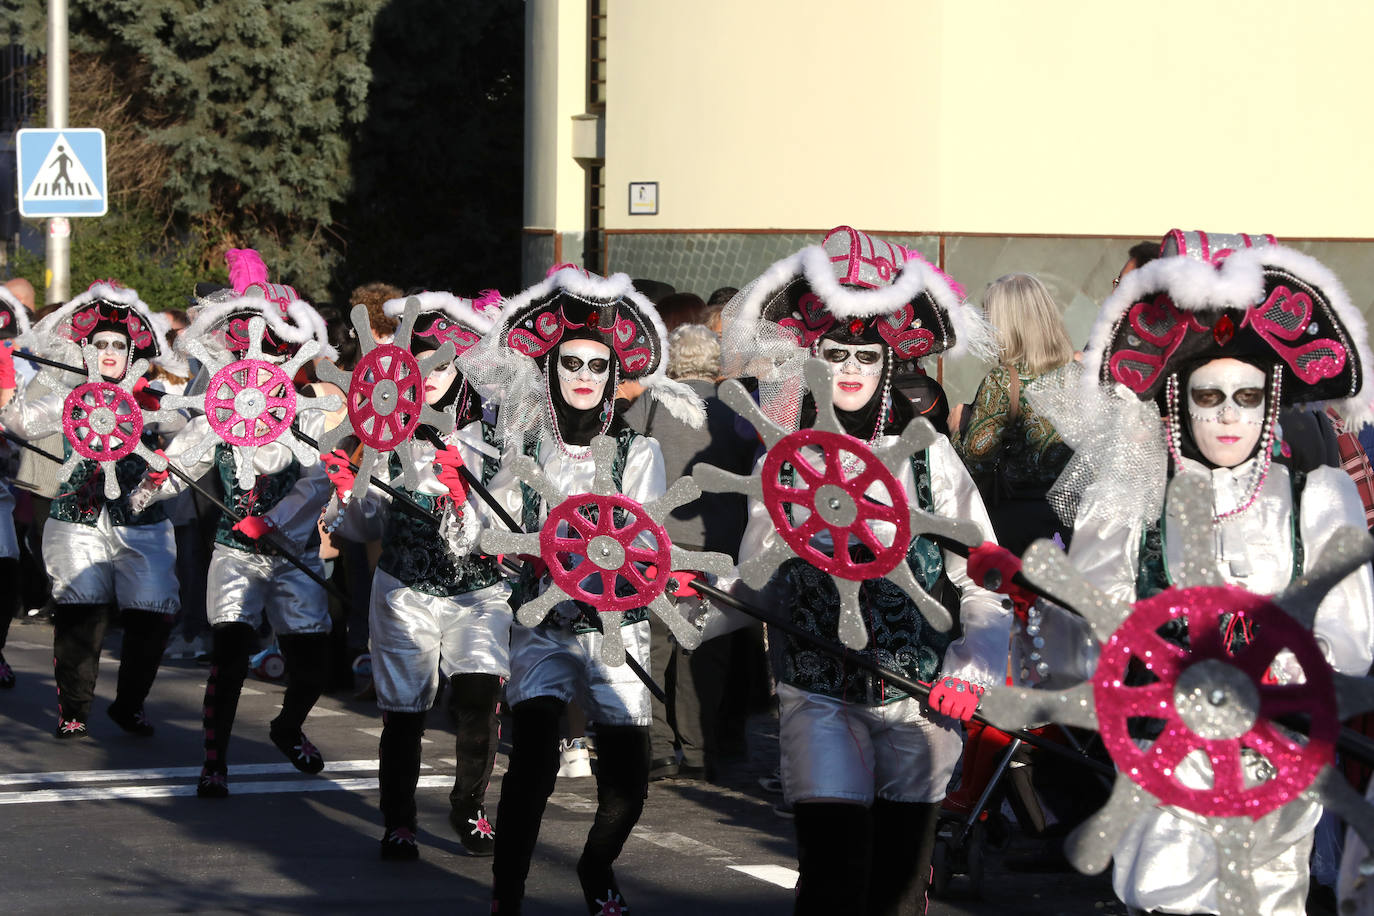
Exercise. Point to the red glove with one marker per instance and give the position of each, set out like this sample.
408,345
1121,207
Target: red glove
536,564
7,379
339,473
684,579
146,399
158,478
993,567
254,526
449,461
955,698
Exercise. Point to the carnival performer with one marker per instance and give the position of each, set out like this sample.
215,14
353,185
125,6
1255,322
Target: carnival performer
560,350
438,608
248,578
1190,363
865,765
98,550
14,321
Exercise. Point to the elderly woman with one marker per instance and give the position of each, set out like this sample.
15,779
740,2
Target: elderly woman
1013,452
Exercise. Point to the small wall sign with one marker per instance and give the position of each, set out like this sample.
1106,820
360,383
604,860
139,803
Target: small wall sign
644,198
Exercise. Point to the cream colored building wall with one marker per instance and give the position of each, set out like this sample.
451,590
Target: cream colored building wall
556,90
993,116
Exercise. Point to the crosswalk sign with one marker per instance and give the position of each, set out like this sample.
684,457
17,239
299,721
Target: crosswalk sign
62,172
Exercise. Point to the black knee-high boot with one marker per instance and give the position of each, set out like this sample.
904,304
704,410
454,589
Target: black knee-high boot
472,700
9,604
833,857
622,783
231,648
398,773
77,632
145,639
903,841
525,790
307,672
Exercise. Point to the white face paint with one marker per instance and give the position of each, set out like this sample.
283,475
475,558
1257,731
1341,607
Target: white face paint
112,353
858,369
584,366
440,379
1226,410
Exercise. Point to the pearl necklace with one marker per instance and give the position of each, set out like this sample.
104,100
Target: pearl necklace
1265,455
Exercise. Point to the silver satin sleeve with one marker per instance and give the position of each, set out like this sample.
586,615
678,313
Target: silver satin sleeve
244,587
130,566
35,411
980,655
415,638
1345,620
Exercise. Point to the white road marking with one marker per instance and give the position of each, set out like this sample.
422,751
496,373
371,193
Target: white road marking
676,842
151,773
169,790
773,874
321,712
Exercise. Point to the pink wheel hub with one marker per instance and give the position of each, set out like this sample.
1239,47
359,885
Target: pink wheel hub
604,550
102,421
250,402
835,502
1216,702
385,396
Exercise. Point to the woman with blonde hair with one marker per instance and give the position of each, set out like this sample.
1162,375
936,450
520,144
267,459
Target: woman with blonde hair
1013,453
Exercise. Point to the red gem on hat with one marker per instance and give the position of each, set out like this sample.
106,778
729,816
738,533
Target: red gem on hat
856,326
1223,330
594,319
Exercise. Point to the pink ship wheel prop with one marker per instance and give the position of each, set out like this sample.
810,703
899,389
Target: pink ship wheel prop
103,422
386,397
1208,699
609,547
251,402
843,488
582,541
834,500
1214,702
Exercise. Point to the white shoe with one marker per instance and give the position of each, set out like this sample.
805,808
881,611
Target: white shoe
573,759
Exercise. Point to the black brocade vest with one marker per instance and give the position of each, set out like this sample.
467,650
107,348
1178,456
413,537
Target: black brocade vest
81,496
414,552
586,620
266,492
899,638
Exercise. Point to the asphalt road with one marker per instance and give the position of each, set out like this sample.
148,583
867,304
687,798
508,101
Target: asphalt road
111,824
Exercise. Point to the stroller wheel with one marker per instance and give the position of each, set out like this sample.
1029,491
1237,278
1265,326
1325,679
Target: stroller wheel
941,869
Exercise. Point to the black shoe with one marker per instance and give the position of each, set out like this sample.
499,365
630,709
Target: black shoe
70,728
398,845
213,783
135,723
303,755
6,673
474,829
663,768
600,890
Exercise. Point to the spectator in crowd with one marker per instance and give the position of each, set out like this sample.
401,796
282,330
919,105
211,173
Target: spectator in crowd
1013,453
681,308
1141,253
693,721
716,304
374,295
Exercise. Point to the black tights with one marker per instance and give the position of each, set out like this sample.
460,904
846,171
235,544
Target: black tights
79,631
855,859
622,780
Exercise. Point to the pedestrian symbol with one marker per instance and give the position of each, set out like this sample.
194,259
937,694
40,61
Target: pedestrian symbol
62,172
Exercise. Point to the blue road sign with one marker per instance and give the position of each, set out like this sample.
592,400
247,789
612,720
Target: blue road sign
62,172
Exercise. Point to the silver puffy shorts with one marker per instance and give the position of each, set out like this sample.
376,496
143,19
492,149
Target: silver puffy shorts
130,566
834,749
551,661
416,637
243,586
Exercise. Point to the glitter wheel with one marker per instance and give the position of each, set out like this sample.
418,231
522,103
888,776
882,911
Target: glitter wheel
386,397
827,492
835,501
103,422
385,394
606,532
1208,700
599,546
251,402
1211,701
